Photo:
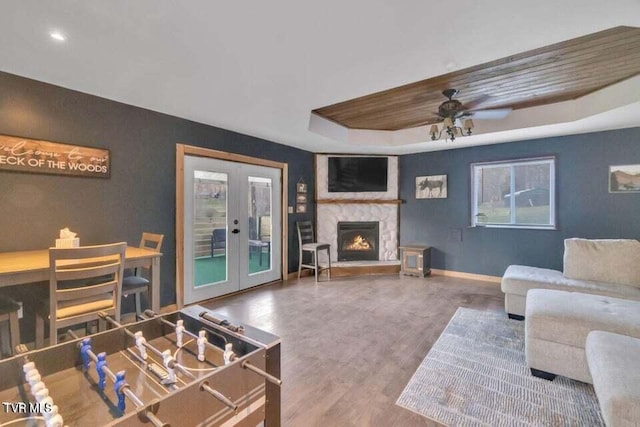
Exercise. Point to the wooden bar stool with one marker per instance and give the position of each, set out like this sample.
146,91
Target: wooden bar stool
9,313
307,243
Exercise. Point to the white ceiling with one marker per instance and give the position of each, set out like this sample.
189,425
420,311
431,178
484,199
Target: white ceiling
260,67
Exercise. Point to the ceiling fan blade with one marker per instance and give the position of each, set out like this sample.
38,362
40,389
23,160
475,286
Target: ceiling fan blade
476,102
495,114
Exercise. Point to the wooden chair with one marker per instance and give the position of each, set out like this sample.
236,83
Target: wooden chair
264,236
9,313
218,240
264,228
136,284
83,282
307,243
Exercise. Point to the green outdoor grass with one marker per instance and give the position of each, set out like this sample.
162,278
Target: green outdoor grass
210,270
524,215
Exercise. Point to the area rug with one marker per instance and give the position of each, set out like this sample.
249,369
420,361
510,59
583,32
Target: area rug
476,375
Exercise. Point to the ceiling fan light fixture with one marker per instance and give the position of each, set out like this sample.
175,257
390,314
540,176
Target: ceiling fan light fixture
448,123
451,126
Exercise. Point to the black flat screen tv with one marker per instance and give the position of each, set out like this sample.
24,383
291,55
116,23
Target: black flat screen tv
357,174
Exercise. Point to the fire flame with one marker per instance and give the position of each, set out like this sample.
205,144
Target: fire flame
359,243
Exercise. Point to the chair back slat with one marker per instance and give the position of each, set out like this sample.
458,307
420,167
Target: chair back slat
84,272
305,232
86,291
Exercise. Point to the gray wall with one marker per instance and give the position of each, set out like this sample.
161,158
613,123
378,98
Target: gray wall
585,208
139,196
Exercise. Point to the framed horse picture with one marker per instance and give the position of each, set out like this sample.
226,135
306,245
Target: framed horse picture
431,187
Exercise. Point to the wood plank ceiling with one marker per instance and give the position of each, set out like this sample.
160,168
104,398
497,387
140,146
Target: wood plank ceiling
554,73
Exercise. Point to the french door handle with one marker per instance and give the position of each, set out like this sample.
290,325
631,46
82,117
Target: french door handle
235,231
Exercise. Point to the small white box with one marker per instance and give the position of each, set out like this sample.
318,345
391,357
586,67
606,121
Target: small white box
68,243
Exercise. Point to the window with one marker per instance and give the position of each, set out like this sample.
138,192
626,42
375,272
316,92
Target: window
517,193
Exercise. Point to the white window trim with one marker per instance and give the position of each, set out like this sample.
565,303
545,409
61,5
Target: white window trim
551,161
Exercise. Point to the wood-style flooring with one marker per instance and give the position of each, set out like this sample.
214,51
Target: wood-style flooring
350,345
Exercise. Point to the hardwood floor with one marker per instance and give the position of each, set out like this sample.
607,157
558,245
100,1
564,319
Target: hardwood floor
350,345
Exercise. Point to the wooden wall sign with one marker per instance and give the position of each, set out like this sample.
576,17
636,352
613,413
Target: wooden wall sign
31,155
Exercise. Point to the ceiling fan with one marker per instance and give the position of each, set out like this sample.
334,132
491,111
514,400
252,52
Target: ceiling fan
452,110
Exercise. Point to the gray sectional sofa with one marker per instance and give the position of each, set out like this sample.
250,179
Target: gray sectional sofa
601,267
584,322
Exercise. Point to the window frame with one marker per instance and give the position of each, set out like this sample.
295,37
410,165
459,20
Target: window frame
512,163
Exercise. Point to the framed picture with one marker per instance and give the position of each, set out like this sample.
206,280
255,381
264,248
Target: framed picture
301,187
301,198
301,208
431,187
624,179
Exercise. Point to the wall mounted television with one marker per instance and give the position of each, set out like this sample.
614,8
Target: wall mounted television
357,174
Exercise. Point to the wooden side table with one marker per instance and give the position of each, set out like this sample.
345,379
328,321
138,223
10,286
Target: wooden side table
415,260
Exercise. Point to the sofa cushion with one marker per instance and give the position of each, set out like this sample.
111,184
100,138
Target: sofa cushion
615,368
568,317
518,279
604,260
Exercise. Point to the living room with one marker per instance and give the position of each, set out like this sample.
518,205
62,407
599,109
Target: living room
140,80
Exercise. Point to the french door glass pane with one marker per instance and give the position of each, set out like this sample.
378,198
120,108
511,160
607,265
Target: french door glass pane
493,187
532,193
210,227
259,239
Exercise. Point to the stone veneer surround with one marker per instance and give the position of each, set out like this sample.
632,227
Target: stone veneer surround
329,214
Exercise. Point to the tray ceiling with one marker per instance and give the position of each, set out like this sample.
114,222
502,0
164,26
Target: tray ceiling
261,68
551,74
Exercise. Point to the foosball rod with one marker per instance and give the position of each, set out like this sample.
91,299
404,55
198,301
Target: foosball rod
204,386
157,352
125,390
155,420
247,365
152,315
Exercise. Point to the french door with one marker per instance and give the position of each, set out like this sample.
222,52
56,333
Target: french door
232,227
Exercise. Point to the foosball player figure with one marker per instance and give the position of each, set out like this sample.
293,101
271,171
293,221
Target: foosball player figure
202,341
41,394
33,377
35,388
84,349
140,342
102,362
179,332
52,418
229,355
29,366
119,386
168,362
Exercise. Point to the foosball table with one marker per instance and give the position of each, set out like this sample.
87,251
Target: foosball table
193,367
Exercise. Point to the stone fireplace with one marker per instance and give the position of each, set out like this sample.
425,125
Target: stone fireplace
381,208
358,240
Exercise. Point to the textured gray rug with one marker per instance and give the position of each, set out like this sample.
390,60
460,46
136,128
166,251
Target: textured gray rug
476,374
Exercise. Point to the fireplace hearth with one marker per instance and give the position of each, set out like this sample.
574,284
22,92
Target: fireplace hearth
358,241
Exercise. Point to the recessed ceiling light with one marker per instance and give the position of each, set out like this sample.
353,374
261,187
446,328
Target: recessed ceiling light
56,35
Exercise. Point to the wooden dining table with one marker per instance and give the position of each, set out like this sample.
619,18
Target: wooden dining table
18,268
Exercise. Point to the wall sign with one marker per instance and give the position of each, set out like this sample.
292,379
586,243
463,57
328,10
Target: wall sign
31,155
